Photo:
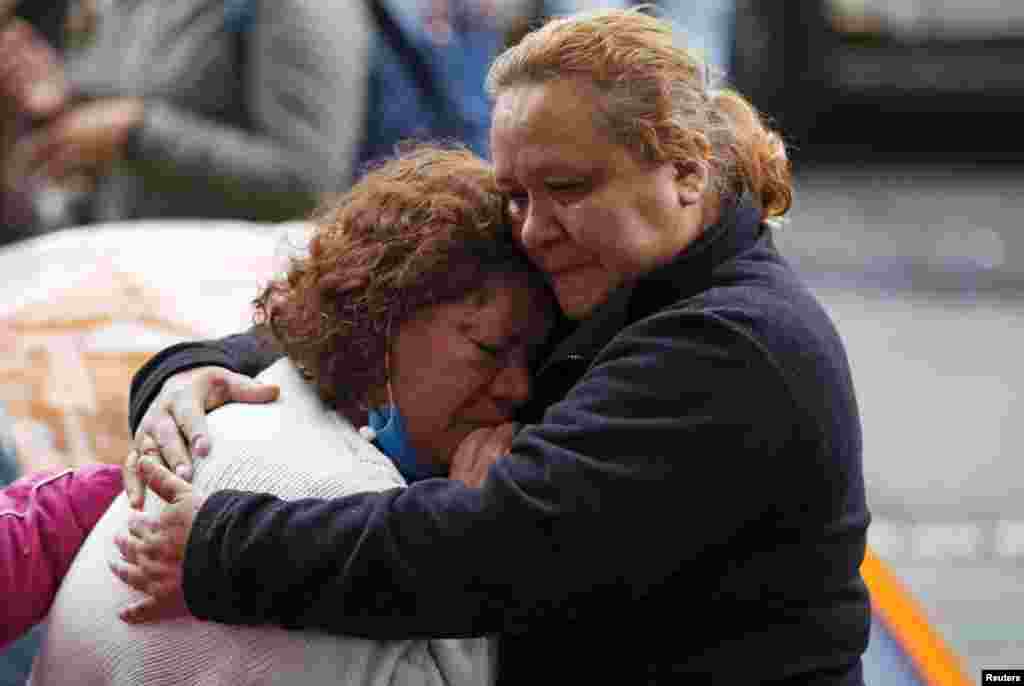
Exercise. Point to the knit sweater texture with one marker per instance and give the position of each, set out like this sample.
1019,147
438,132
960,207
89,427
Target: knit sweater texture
295,448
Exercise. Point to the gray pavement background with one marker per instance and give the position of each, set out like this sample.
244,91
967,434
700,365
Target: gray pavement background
923,270
945,216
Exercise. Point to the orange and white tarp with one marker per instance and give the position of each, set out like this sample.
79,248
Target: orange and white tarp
81,310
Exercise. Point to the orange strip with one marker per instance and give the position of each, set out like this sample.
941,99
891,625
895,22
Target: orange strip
904,617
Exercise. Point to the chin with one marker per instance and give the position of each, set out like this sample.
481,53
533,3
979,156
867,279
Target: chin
575,313
580,292
577,306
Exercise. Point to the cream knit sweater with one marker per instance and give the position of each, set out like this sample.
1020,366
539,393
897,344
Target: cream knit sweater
293,448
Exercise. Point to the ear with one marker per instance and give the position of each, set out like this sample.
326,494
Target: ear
691,181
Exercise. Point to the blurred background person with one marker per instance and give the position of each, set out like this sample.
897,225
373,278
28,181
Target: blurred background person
32,88
429,61
206,108
243,108
707,27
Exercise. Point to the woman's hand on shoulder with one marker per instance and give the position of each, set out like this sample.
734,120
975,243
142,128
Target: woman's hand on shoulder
174,427
479,450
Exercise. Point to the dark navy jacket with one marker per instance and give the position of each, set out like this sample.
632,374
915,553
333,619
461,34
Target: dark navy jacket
688,499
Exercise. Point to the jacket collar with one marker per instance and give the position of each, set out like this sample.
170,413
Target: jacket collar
738,229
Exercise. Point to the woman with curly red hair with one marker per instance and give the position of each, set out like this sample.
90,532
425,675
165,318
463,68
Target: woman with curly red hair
412,321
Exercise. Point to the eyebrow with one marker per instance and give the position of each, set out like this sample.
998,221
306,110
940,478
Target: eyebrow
541,163
551,168
517,337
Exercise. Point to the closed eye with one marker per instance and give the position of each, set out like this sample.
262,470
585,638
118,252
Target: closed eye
516,203
564,184
494,351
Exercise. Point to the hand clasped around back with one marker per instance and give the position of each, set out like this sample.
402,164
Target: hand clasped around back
153,548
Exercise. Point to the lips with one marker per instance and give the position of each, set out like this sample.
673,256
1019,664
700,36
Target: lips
585,271
561,271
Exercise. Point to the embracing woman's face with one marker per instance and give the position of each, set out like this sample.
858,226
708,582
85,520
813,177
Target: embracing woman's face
459,366
587,211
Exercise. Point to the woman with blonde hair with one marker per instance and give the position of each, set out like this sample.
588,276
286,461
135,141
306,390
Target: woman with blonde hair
686,497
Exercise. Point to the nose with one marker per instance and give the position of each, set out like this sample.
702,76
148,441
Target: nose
539,228
511,386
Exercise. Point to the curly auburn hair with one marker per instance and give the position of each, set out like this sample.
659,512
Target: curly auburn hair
424,228
656,98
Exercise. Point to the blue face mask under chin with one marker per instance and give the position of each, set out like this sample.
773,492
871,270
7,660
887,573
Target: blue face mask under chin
393,440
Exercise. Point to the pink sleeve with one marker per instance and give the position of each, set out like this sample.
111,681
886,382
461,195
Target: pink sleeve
44,518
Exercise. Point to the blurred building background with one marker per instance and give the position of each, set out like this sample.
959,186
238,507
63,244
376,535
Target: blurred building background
903,121
909,172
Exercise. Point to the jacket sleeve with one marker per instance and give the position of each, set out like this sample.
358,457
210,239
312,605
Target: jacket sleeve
246,353
665,448
44,518
305,84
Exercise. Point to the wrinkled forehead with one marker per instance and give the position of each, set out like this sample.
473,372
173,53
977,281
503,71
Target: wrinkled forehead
540,124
